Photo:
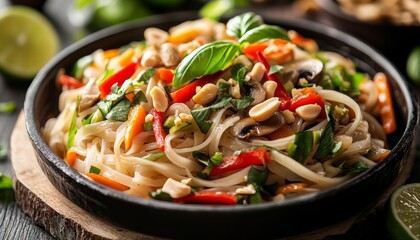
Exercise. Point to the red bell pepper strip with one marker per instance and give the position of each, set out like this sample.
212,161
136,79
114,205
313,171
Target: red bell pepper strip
157,124
243,160
209,197
252,49
118,77
185,93
69,82
280,91
165,74
310,98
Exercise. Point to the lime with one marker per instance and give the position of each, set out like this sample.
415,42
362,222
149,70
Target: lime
403,220
413,65
27,42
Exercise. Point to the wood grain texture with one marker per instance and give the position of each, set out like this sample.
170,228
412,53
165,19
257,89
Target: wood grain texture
38,198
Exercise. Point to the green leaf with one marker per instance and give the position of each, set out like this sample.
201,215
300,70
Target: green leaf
239,25
139,97
3,153
326,142
304,145
7,107
242,103
161,196
255,198
201,157
264,32
5,182
87,121
148,126
154,156
238,72
223,92
201,115
94,169
275,69
120,111
257,177
145,76
73,126
104,106
207,59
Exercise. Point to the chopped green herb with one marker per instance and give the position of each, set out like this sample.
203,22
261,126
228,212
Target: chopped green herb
217,158
275,69
120,111
148,126
326,143
154,156
139,97
7,107
161,196
169,122
73,125
145,76
304,146
242,103
201,115
238,72
94,169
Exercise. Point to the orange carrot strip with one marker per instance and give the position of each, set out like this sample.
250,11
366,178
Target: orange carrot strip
291,188
107,182
135,123
126,57
385,102
307,90
183,36
108,54
71,157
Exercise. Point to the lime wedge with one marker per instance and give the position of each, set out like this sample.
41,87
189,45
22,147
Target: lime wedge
403,220
27,42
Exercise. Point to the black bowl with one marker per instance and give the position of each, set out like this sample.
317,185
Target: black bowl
274,219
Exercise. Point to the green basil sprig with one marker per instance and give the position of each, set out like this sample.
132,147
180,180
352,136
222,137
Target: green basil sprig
239,25
264,32
205,60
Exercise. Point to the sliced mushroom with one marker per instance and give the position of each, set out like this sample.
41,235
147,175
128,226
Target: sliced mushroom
247,127
310,69
255,90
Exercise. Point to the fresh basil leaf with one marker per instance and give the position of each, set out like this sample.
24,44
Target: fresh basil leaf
242,103
304,145
264,32
145,75
201,157
120,111
201,115
7,107
139,97
238,72
87,121
239,25
275,69
154,156
94,170
223,92
73,126
5,182
257,177
161,196
326,142
207,59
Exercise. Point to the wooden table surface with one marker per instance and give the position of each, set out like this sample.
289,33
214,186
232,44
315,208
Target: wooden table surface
14,224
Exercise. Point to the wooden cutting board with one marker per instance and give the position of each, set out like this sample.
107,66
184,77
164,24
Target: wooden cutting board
39,199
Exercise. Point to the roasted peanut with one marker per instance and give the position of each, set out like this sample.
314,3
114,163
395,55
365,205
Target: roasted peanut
264,110
169,54
176,189
308,112
155,36
269,88
150,59
257,72
345,140
206,94
288,116
159,99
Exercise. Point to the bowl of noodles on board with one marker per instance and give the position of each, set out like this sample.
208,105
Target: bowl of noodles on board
251,123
